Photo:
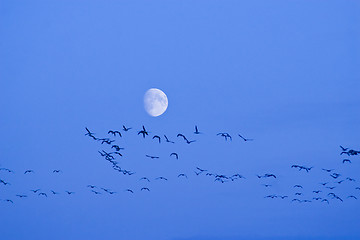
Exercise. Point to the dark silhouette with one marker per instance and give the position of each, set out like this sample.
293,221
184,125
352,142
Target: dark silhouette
245,139
174,154
114,133
156,136
126,129
152,157
167,140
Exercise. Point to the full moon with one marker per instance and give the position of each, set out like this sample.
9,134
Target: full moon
155,102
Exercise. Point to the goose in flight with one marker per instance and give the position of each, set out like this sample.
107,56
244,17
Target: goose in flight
174,154
43,194
182,175
145,178
346,160
152,157
117,148
114,133
28,171
126,129
143,132
53,192
69,193
35,191
245,139
196,130
156,136
225,135
145,188
6,169
167,140
352,196
129,190
298,186
57,171
21,196
161,178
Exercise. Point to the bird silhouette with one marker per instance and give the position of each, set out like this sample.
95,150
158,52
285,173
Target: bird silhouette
167,140
129,190
42,194
8,200
196,130
352,196
69,193
245,139
298,186
117,148
325,200
350,179
53,192
21,196
174,154
91,186
143,132
114,133
182,175
5,183
28,171
35,191
343,149
156,136
126,129
95,192
317,191
327,170
152,157
145,178
145,188
6,169
346,160
161,178
56,171
225,135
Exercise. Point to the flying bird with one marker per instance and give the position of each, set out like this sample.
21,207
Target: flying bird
129,190
42,194
21,196
167,140
174,154
114,133
53,192
57,171
245,139
145,178
28,171
182,175
152,157
352,196
225,135
346,160
69,193
143,132
126,129
156,136
298,186
35,191
145,188
196,130
161,178
6,169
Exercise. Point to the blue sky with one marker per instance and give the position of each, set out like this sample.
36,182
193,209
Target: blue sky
285,73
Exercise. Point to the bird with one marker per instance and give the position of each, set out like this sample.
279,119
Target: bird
225,135
283,197
35,191
201,170
152,157
114,133
324,183
331,188
245,139
69,193
156,136
42,194
117,148
91,186
167,140
317,198
196,130
182,175
267,185
5,183
346,160
95,192
352,196
53,192
8,200
106,190
161,178
174,154
335,175
111,193
327,170
145,188
350,179
188,142
298,193
295,199
145,178
90,134
298,186
271,196
357,188
6,169
126,129
21,196
181,135
143,132
325,200
317,191
28,171
129,190
57,171
343,149
269,175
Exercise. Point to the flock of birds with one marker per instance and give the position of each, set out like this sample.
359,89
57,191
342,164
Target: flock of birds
325,193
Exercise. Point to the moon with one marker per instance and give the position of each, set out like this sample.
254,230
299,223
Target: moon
155,102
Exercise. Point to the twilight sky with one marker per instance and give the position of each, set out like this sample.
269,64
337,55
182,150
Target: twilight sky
284,73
